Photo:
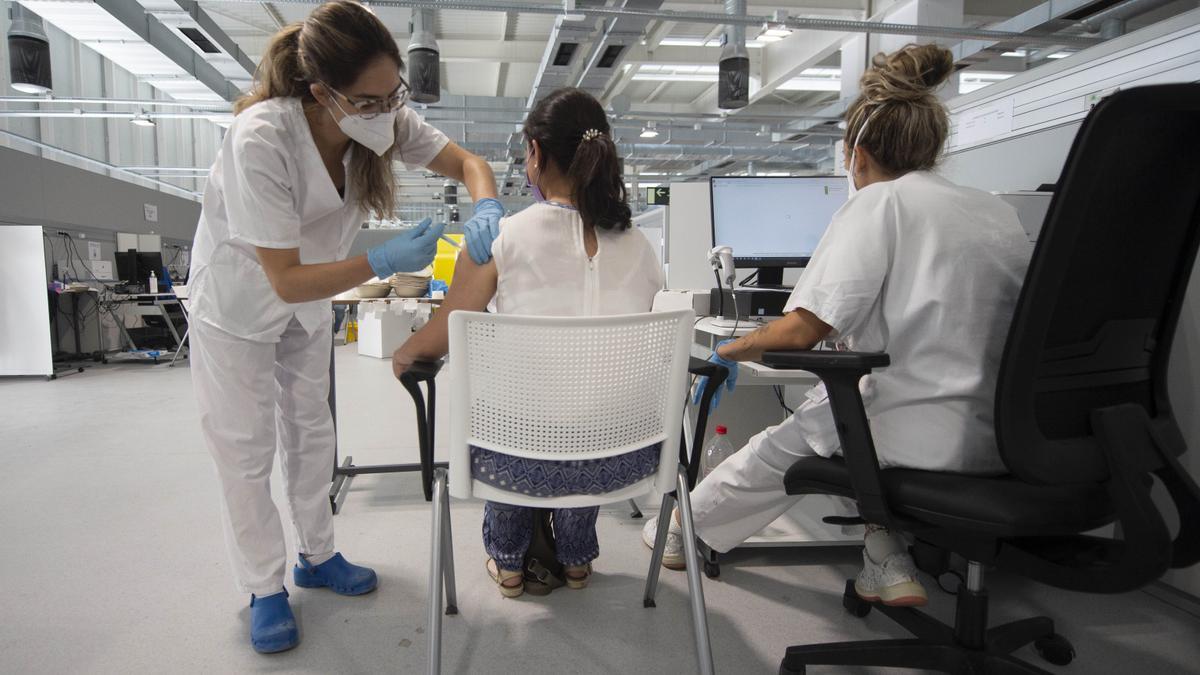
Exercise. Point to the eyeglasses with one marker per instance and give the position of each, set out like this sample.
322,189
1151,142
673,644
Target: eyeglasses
370,108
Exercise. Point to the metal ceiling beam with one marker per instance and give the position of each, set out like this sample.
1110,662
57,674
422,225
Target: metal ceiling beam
1044,19
622,32
274,14
716,18
222,106
209,25
149,28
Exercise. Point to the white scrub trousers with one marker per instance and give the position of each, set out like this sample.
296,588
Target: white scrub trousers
257,399
745,492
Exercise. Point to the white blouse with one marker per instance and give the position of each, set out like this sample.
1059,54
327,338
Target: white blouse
543,268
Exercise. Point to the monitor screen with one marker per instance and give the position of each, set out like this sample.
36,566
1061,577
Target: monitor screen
774,221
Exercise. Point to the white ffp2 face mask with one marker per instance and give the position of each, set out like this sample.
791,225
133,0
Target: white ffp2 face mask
377,134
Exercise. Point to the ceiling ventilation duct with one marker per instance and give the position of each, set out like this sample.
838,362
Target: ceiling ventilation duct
424,67
28,52
733,83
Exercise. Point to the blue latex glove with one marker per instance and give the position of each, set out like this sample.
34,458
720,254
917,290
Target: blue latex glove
410,251
730,382
483,228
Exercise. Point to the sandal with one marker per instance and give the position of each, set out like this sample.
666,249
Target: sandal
504,579
578,576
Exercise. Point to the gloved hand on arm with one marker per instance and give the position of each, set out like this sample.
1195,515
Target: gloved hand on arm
482,229
409,251
730,381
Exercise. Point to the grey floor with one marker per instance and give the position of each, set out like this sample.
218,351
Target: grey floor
113,562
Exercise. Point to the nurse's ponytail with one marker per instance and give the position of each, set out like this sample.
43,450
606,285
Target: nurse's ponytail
572,130
332,46
279,73
908,123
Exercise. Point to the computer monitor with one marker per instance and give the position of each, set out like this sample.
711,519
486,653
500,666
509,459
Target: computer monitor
127,266
773,222
149,262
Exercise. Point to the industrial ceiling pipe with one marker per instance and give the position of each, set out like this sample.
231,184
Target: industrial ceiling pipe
793,22
28,52
1110,22
733,82
424,60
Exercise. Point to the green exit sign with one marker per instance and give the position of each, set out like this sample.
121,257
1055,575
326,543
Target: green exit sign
658,196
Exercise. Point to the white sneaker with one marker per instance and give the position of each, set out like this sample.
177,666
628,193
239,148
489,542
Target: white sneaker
673,555
893,582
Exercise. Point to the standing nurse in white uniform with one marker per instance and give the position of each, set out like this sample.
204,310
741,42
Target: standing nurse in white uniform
307,157
913,265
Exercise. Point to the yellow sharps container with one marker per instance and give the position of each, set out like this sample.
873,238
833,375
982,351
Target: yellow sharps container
447,255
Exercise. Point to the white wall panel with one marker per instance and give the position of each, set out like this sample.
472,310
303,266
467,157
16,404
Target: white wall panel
24,339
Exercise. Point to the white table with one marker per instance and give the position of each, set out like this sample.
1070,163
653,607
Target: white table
753,405
153,304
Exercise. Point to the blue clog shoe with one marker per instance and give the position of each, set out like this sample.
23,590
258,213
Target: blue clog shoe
337,574
272,624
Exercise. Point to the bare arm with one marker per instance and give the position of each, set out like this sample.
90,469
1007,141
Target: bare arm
471,170
471,289
294,281
798,329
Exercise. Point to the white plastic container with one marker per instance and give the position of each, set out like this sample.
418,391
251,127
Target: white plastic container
153,283
383,327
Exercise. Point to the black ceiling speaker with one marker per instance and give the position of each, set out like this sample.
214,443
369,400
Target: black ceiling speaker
28,52
733,81
424,60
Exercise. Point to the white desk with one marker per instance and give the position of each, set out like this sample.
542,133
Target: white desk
753,406
154,304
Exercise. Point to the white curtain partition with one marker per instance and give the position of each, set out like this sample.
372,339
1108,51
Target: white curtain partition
25,347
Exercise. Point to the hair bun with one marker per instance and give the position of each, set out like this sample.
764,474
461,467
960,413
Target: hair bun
908,74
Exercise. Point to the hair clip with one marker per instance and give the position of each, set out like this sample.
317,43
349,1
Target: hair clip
592,134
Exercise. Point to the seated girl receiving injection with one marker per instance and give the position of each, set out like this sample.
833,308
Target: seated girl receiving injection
573,253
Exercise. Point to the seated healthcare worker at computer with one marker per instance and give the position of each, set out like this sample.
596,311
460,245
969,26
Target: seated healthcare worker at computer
573,253
913,265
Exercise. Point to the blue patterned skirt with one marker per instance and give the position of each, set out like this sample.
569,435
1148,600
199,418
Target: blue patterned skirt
548,478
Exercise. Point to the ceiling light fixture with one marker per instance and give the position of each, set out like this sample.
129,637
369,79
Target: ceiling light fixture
774,31
649,131
142,119
28,52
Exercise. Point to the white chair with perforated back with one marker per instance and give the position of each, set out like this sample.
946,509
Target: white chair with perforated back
564,389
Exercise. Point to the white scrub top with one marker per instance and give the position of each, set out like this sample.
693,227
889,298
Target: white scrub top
929,272
543,268
268,187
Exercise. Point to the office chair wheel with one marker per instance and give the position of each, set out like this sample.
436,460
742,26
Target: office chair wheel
712,570
1055,649
854,604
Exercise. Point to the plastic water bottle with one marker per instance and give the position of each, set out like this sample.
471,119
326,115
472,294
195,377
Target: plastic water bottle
717,450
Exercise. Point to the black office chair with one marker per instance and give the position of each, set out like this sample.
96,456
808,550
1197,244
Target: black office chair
1082,415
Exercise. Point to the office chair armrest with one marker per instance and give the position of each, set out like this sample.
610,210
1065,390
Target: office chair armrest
424,371
716,374
841,372
808,360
